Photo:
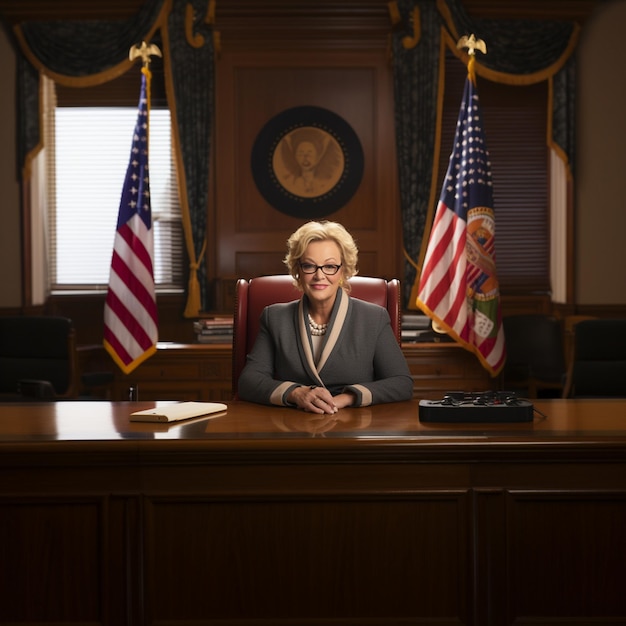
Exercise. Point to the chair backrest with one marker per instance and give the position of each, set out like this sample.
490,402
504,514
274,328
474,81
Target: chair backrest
598,365
40,349
252,296
535,354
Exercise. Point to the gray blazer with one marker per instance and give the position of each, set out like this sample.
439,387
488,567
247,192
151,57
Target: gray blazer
360,354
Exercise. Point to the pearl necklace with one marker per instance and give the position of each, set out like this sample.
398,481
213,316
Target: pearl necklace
316,329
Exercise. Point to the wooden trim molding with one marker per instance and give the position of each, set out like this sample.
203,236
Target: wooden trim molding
16,12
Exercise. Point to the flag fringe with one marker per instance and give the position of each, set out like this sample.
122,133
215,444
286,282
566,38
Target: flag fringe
128,368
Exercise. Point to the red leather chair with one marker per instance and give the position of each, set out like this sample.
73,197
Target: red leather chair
252,296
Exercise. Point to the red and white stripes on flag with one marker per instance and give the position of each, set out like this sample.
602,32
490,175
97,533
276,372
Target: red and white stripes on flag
458,287
130,311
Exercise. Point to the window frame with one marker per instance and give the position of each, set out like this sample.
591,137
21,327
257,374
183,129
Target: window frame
122,92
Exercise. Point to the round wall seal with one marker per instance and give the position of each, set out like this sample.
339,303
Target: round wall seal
307,162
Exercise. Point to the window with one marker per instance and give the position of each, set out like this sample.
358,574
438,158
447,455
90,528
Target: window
515,129
86,171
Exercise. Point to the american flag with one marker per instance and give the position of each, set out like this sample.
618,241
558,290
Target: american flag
130,312
458,287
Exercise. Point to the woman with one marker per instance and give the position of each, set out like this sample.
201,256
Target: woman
325,351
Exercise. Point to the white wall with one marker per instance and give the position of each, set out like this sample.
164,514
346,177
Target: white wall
601,159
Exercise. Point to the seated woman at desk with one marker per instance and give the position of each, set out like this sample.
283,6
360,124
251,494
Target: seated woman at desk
325,351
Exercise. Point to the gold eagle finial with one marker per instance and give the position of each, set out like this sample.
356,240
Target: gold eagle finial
145,51
472,44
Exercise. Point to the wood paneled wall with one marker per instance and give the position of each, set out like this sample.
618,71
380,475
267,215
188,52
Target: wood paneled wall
275,56
253,87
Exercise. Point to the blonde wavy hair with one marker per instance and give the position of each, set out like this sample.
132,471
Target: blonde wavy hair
322,231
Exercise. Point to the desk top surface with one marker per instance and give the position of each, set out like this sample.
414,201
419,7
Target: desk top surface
555,421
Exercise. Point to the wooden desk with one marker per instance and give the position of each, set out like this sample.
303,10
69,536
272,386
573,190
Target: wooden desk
267,516
440,367
181,371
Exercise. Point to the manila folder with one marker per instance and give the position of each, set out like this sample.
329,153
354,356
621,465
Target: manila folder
177,412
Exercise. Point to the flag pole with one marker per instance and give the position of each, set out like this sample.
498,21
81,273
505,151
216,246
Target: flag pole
472,44
145,51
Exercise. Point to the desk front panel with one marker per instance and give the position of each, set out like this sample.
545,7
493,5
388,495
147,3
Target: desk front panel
259,517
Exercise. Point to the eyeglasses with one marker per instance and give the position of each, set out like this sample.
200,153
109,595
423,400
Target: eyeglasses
311,268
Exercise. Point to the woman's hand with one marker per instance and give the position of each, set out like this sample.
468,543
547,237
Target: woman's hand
313,400
343,400
319,400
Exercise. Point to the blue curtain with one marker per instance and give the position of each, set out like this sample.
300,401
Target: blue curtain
415,45
191,52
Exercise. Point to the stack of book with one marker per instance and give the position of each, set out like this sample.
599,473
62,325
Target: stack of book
418,328
214,329
415,327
